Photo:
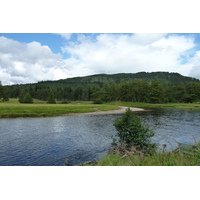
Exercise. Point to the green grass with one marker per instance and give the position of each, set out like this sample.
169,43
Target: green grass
191,106
13,108
165,159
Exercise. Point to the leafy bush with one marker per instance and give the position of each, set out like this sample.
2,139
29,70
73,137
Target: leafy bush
25,98
65,101
131,132
98,101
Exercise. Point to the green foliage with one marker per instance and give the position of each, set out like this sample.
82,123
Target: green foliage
1,90
25,98
4,93
28,98
98,95
155,87
156,94
51,99
158,159
65,101
132,132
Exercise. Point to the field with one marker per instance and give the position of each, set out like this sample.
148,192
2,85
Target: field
13,108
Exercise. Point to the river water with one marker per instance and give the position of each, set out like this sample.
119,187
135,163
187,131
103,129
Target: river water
80,138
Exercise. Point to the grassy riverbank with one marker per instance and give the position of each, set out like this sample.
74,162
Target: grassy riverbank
165,159
188,158
13,108
190,106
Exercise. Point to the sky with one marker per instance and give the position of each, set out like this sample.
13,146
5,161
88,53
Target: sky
33,57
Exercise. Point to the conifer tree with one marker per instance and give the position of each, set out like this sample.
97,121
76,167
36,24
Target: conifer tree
51,99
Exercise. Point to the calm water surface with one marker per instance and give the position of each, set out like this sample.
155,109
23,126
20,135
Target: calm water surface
49,141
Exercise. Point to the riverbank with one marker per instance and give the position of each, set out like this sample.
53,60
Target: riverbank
187,106
188,156
13,108
121,110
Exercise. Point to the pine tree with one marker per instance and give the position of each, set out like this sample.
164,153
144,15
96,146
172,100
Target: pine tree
51,99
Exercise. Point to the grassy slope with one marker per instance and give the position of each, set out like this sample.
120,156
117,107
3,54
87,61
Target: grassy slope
14,109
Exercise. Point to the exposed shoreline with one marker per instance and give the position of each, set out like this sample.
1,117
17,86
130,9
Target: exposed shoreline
120,111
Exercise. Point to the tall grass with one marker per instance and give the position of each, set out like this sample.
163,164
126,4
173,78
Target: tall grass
163,159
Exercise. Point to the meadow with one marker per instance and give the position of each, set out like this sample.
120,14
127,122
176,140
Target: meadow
13,108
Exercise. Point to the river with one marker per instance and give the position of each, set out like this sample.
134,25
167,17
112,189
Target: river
48,141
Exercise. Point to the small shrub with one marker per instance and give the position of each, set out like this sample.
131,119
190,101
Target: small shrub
132,132
98,101
25,98
65,101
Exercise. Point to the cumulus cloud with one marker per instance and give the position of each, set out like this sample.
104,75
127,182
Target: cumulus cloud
22,63
117,53
98,53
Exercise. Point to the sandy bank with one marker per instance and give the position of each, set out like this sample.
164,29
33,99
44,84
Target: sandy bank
120,111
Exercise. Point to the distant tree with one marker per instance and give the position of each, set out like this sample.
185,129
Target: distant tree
25,97
156,93
98,95
5,95
132,132
21,96
51,99
1,90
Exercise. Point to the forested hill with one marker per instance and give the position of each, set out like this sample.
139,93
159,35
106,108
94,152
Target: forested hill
155,87
165,78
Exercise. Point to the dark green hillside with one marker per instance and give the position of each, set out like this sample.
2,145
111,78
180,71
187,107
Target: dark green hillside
155,87
100,79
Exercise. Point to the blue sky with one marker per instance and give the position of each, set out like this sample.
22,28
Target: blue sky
33,57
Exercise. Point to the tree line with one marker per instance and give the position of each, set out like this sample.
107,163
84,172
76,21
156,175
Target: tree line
154,91
4,93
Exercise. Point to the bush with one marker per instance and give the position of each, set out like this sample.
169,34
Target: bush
98,101
131,132
65,101
25,98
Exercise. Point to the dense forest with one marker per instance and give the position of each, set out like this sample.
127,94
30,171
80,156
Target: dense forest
155,87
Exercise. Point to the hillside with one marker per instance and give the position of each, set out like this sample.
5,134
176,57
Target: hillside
155,87
165,78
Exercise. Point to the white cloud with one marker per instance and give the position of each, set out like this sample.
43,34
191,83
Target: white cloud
22,63
116,53
103,53
67,36
195,65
